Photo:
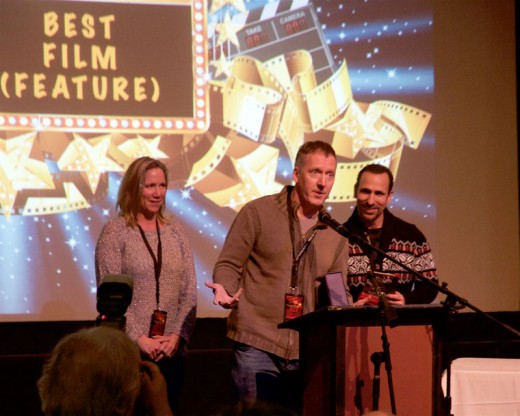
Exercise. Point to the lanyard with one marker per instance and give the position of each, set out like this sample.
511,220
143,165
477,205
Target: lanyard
306,243
157,261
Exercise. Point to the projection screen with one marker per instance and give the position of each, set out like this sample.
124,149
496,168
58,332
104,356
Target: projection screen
224,93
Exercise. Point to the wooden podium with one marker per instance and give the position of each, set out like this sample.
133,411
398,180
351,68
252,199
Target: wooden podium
335,344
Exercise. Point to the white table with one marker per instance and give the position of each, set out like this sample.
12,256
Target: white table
484,387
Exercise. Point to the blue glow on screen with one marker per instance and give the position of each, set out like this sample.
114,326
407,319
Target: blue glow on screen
47,261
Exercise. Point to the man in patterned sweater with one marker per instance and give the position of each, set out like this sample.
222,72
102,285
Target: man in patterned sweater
398,239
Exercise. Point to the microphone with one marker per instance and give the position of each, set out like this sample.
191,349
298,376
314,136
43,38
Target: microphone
326,219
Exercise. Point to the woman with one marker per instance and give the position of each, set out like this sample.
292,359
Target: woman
154,249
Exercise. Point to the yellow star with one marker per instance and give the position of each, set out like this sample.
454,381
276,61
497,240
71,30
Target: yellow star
139,147
19,170
227,31
218,4
222,65
89,157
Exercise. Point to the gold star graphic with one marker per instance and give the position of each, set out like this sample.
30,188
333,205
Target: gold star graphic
139,147
218,4
89,157
227,31
222,65
19,169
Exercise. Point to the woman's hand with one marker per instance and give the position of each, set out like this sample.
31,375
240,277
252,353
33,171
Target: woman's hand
169,344
151,347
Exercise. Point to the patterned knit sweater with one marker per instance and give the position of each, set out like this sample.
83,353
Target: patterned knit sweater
401,241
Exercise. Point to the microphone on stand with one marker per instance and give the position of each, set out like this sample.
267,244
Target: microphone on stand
326,219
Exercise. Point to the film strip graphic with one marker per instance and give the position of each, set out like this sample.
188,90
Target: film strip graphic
281,83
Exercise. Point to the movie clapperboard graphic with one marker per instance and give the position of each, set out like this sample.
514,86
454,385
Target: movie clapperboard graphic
275,29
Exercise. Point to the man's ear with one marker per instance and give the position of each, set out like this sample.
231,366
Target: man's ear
296,174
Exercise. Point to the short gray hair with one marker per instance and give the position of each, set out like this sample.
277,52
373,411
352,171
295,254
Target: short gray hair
92,372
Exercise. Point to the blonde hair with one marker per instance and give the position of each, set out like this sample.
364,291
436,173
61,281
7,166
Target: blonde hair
129,197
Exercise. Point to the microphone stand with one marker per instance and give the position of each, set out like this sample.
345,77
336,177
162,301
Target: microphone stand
377,358
388,364
450,303
387,314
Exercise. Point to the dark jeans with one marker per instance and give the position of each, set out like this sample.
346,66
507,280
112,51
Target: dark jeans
264,377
